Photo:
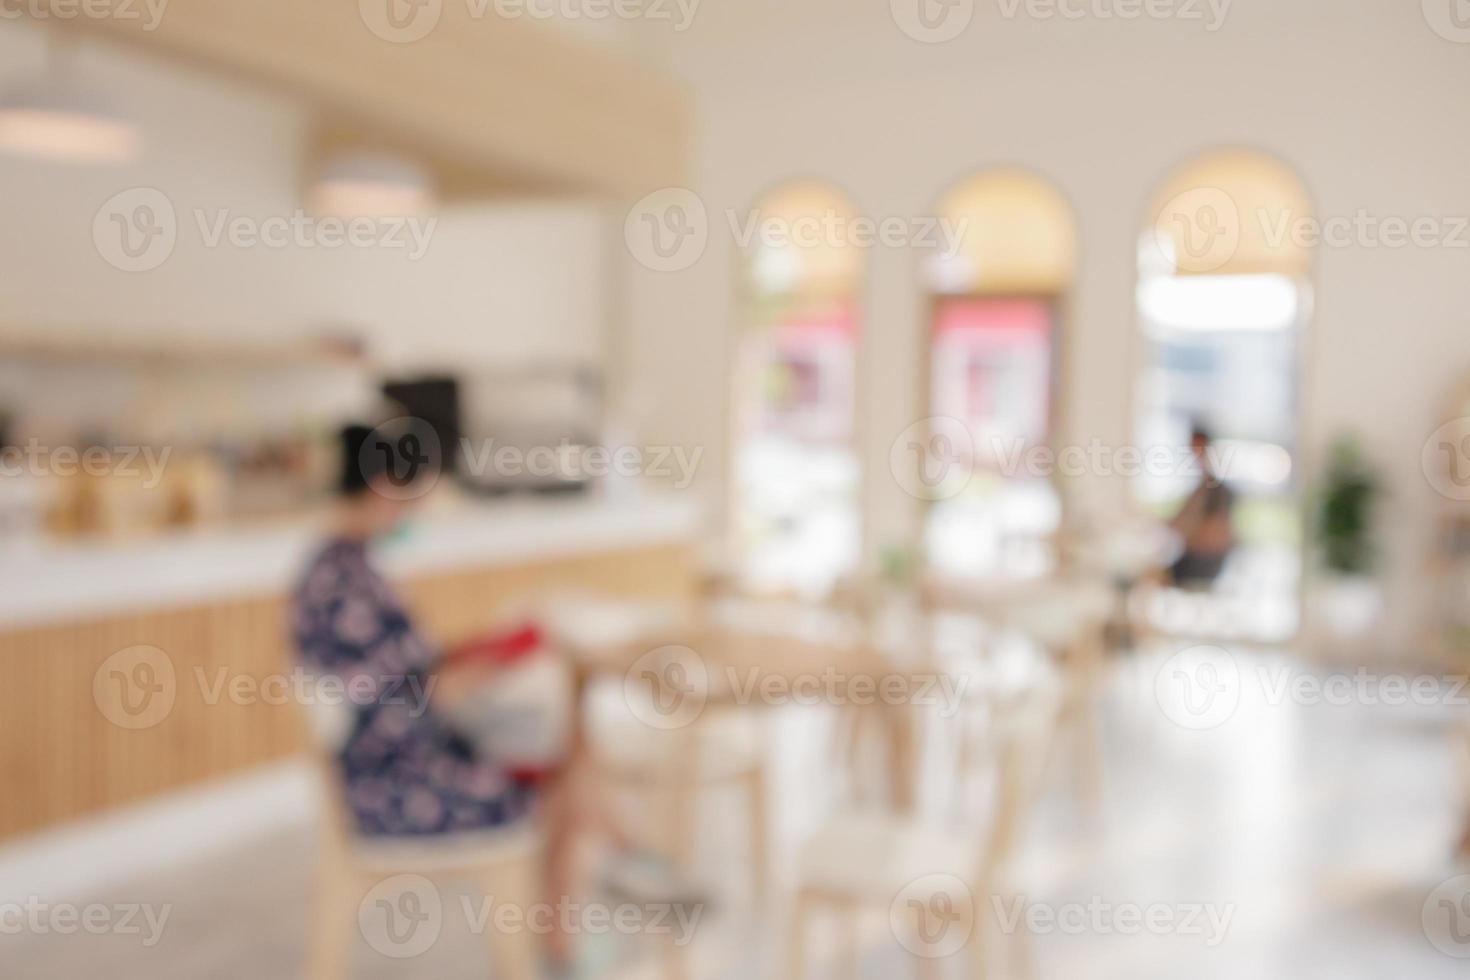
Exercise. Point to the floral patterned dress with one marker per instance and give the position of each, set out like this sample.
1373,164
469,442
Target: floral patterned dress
406,771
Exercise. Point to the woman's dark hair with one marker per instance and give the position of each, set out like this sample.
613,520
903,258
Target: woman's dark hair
404,450
355,477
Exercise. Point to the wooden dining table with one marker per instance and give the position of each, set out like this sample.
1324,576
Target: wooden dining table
713,663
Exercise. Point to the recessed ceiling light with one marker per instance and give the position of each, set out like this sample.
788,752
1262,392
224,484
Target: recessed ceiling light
57,117
374,184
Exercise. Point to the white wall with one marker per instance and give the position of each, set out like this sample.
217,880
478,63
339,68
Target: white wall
1360,96
499,284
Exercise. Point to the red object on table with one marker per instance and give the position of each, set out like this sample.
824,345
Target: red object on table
499,649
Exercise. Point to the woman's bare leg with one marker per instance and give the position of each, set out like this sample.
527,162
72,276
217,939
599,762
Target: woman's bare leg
576,811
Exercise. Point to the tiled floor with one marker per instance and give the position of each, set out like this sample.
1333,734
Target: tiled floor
1293,840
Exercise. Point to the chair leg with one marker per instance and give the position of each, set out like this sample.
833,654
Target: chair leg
675,962
928,967
1087,760
796,934
756,801
978,948
680,784
515,955
333,920
679,801
1024,955
848,940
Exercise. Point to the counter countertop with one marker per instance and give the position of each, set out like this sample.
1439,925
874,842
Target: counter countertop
47,581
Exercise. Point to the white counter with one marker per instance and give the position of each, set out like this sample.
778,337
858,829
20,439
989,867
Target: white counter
47,581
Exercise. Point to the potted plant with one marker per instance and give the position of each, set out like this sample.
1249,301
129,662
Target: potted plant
1348,597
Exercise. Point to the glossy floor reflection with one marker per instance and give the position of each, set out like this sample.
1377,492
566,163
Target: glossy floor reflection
1298,835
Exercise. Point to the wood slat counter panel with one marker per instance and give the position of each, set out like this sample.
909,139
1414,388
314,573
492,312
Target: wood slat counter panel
115,709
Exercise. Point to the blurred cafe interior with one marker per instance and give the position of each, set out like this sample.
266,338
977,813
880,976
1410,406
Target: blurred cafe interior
636,488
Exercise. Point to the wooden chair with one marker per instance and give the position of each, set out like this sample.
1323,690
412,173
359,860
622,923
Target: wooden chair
1464,846
724,748
505,863
865,861
1070,620
673,768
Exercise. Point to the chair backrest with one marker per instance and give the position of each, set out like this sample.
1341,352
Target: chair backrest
1000,739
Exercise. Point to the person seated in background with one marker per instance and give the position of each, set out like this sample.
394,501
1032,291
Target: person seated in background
407,771
1203,524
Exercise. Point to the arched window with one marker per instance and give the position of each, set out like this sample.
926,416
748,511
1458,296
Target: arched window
994,343
1224,297
796,511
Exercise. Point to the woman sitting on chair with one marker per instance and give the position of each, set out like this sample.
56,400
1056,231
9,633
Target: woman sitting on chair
406,771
